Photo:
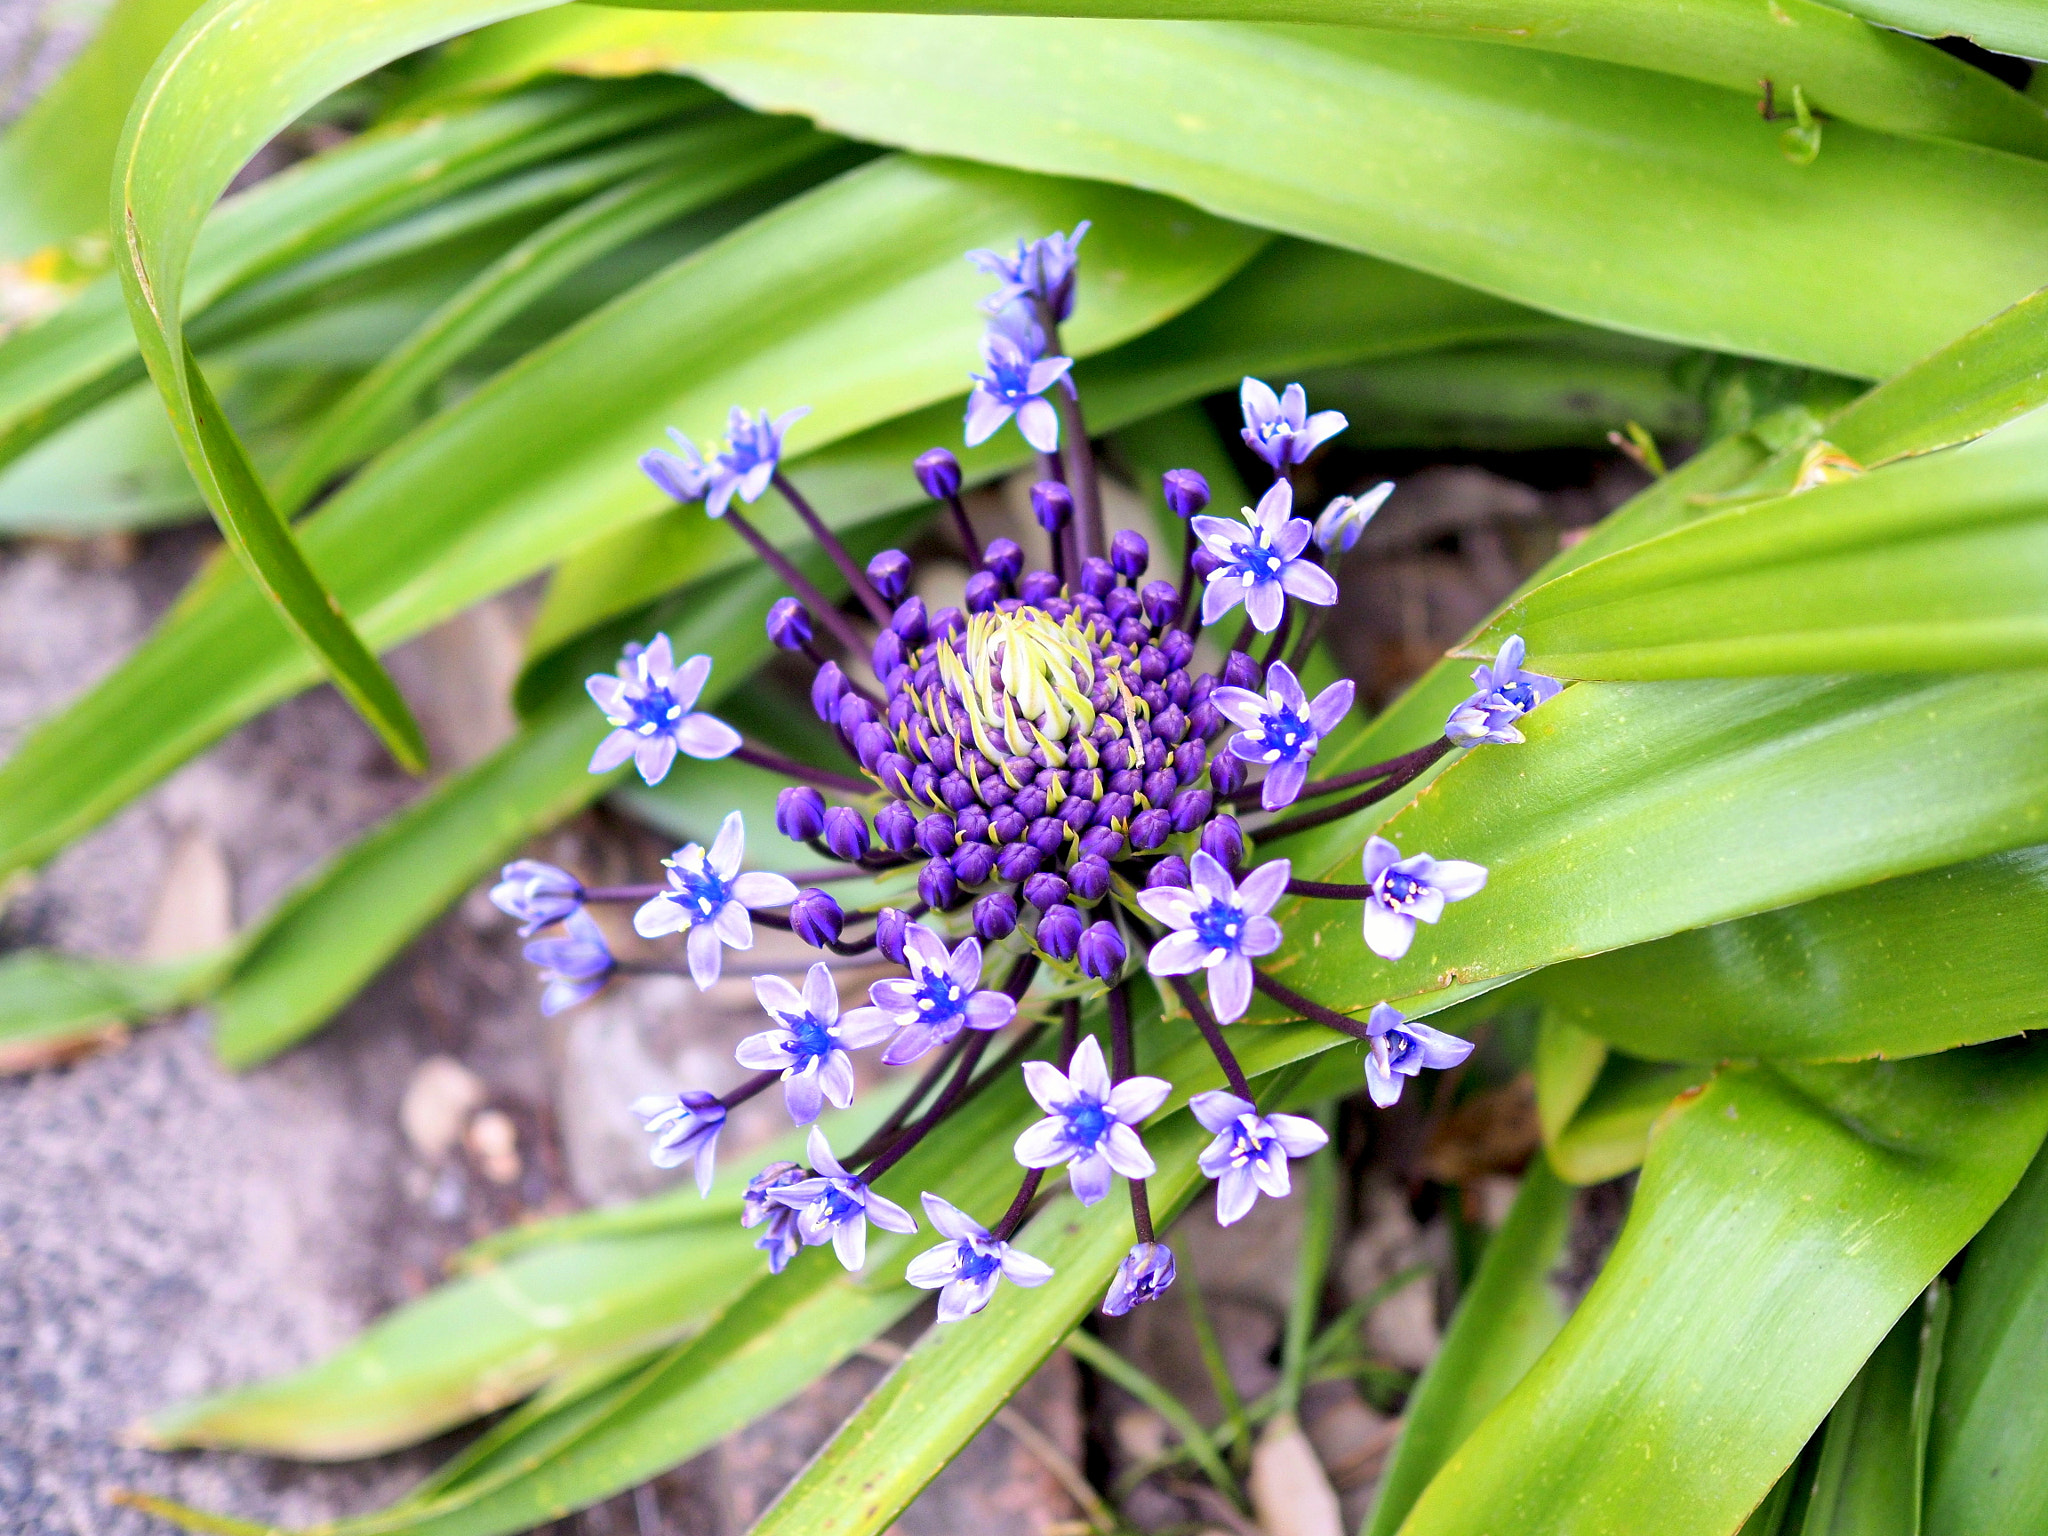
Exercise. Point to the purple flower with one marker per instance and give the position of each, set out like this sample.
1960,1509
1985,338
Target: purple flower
834,1207
1042,271
809,1048
536,893
1344,519
1258,561
1401,1049
936,1002
1144,1275
575,966
1407,891
1250,1152
1219,926
684,1126
1101,951
650,705
964,1271
1186,491
1283,729
1506,693
1278,428
781,1241
743,464
1089,1125
709,898
1015,385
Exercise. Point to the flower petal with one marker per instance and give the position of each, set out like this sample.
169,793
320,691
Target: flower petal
1230,988
990,1010
800,1092
779,998
1458,879
864,1026
1178,954
1387,934
659,916
760,888
1283,783
1124,1150
1265,602
1236,1193
1265,886
1044,1143
1090,1177
653,756
934,1267
1298,1134
766,1052
949,1219
1310,583
1173,905
1021,1268
616,748
705,737
1380,856
1331,706
1137,1099
1040,424
733,927
1088,1073
888,1215
706,956
1217,1110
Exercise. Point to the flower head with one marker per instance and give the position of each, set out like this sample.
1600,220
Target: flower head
1344,519
1279,429
832,1206
940,998
537,894
964,1271
651,705
1041,272
757,1207
1506,693
1283,729
1401,1049
743,464
1144,1275
684,1126
1018,377
1258,561
809,1045
1408,891
709,899
1250,1152
1219,926
1090,1126
575,966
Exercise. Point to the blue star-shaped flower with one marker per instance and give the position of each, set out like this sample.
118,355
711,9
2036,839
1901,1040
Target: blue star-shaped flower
964,1271
1258,561
1403,892
1144,1275
1219,926
1090,1125
941,997
1018,377
809,1047
575,966
1506,693
1042,271
1283,729
708,898
1278,428
1401,1049
833,1206
743,465
651,704
685,1126
1250,1152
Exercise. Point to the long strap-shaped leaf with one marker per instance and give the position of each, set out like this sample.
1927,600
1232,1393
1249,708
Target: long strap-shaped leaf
1846,68
182,147
1784,1221
2007,26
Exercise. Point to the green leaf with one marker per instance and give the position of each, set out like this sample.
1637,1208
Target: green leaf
1848,70
1607,1132
830,298
48,1000
1506,1318
1988,1458
1935,564
1785,1219
1904,967
1867,1477
1537,165
2004,26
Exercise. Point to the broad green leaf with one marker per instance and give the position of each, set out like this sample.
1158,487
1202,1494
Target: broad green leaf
1608,1131
1783,1223
1539,168
1868,1474
1848,70
1987,1465
852,297
1935,564
1506,1318
2004,26
1639,810
1294,306
1566,1065
48,999
1904,967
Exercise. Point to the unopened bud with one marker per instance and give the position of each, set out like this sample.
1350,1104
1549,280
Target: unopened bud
1185,490
938,473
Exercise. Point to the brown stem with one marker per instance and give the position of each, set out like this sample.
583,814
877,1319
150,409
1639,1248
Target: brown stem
1329,1018
1212,1032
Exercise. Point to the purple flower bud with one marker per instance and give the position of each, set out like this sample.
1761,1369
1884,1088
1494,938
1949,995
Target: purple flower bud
789,624
870,741
1090,878
1003,559
1205,720
1048,834
995,916
800,813
1122,604
1226,773
1223,841
815,918
1171,870
936,834
1177,646
1098,577
1204,562
896,826
1189,809
1160,785
890,926
973,863
846,833
1007,823
1129,553
1045,891
890,574
827,689
949,623
956,791
1101,952
1144,1275
910,622
972,825
853,712
1059,932
1039,588
1052,504
1102,841
1019,861
982,591
935,885
1076,813
1185,490
938,473
1162,601
1240,671
894,770
887,654
1149,829
1189,759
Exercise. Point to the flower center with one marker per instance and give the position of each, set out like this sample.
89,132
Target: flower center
1086,1122
809,1039
1247,1141
700,892
1219,926
839,1205
1285,735
939,997
1399,890
653,711
1519,694
1257,562
976,1265
1399,1048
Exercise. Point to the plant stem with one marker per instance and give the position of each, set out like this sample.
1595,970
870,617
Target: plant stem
1329,1018
1195,1440
826,613
823,778
856,578
1212,1358
1213,1033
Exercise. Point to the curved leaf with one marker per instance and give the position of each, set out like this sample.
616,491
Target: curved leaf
2005,26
